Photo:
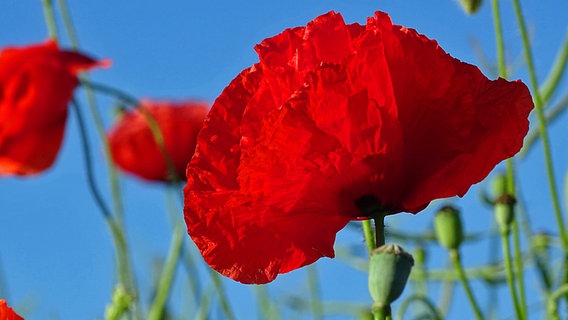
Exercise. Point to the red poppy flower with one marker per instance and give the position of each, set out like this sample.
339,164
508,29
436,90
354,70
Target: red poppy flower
36,84
6,313
133,146
334,123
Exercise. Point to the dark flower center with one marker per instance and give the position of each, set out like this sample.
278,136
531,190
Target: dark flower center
370,206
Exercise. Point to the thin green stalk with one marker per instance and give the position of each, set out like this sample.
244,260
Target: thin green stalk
225,306
500,44
64,11
556,72
267,310
88,161
553,114
436,315
315,295
115,92
518,261
369,236
166,279
116,223
49,18
455,258
542,123
97,119
510,276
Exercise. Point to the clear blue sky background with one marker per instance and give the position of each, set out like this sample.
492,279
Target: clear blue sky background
56,254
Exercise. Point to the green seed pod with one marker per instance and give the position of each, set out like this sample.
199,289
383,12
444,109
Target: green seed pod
448,228
505,212
471,6
389,268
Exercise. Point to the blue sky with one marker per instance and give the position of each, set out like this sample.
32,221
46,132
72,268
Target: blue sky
56,254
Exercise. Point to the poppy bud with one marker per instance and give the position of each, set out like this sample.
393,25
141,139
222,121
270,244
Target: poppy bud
470,6
389,268
505,212
448,227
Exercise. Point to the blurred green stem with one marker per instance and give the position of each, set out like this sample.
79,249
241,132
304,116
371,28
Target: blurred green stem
456,260
543,127
167,276
369,236
510,275
49,18
315,295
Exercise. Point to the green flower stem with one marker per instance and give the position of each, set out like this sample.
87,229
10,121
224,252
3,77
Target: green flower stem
518,260
381,313
543,128
267,310
115,221
49,18
225,307
556,72
552,301
380,230
167,276
369,236
552,115
68,25
455,258
111,91
500,44
435,314
125,276
315,294
510,275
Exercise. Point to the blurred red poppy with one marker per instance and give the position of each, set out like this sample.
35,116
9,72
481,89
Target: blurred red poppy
36,84
133,146
338,122
6,313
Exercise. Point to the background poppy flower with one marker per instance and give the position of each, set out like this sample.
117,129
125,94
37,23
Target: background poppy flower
133,146
36,84
6,313
336,121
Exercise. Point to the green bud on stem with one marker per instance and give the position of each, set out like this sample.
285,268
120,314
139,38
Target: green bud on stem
448,228
389,268
505,212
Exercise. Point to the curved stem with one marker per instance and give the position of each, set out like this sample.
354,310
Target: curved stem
115,92
455,258
418,298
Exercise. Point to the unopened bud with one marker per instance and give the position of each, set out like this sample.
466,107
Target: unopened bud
471,6
120,303
505,212
448,228
389,268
